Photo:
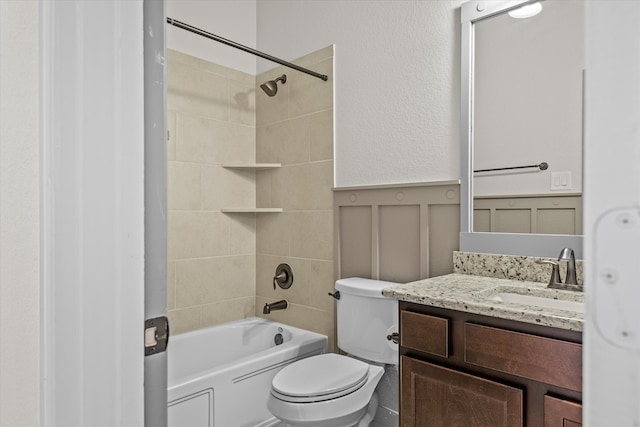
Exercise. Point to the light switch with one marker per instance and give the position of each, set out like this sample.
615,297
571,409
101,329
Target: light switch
560,181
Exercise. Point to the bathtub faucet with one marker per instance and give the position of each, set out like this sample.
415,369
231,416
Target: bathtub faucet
278,305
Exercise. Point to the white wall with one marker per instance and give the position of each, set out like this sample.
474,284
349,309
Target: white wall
19,215
397,81
230,19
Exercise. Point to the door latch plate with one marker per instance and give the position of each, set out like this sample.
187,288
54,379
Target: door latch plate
156,335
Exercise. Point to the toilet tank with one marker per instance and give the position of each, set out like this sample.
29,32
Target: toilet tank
365,317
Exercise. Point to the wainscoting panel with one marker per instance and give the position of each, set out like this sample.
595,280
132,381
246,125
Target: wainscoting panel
355,240
397,233
561,214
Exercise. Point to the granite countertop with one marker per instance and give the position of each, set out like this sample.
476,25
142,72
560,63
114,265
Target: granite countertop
470,293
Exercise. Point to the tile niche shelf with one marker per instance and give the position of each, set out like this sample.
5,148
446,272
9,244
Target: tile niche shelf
252,166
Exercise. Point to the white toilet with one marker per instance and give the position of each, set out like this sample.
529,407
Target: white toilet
332,390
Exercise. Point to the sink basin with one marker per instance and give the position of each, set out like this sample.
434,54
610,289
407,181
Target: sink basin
542,298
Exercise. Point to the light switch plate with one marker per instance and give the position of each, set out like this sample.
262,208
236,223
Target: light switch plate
560,181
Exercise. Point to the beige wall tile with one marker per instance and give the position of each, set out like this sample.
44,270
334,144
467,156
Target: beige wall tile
242,234
285,142
321,283
190,89
309,94
227,311
184,190
263,189
242,102
311,234
201,64
298,293
171,133
321,134
227,188
273,234
197,235
313,58
209,280
296,149
308,186
184,320
171,285
214,142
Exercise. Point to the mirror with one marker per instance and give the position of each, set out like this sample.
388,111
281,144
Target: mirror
522,127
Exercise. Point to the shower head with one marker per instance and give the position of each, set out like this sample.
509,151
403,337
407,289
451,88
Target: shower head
271,87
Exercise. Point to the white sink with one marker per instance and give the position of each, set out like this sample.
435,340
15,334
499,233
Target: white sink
540,298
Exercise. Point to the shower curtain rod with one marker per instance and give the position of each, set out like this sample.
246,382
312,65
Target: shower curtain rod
222,40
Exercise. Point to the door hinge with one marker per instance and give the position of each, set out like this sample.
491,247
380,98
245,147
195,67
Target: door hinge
156,335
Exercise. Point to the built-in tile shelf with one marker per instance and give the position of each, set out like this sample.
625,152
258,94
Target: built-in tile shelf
252,210
254,166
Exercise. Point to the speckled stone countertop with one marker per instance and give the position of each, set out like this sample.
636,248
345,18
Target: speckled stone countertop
471,293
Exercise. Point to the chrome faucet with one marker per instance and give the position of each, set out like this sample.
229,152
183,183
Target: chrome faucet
570,280
567,255
278,305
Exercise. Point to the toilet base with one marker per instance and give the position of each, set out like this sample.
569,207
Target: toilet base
364,421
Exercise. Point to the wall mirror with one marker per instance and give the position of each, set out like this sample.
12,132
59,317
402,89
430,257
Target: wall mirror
522,111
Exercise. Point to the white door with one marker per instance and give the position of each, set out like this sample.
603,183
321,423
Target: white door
94,263
612,214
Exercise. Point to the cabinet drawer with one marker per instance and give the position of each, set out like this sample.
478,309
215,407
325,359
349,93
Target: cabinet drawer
537,358
428,334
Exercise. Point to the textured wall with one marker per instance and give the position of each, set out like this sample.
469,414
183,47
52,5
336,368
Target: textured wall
19,215
397,81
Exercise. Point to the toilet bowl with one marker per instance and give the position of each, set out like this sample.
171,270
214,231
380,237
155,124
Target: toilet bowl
329,390
332,390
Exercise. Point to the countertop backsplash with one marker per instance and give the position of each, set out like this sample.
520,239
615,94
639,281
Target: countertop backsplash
509,267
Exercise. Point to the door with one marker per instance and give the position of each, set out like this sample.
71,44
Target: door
155,218
96,253
436,396
612,179
561,413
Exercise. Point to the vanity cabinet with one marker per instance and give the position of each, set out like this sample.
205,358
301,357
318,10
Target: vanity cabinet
467,370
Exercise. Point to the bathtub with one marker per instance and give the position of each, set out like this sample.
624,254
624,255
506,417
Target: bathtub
221,376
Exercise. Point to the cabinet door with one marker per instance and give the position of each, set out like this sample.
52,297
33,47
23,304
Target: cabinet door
434,396
561,413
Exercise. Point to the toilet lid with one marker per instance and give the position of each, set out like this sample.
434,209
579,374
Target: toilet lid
318,378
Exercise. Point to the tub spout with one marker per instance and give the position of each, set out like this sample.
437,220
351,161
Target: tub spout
278,305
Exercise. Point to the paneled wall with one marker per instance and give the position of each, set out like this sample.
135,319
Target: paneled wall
561,214
295,128
397,233
211,255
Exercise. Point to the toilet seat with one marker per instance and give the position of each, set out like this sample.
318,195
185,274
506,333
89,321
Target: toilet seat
319,378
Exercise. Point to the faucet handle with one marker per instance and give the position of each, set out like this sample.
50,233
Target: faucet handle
555,271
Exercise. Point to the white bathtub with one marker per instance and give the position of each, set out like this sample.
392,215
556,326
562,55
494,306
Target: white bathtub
221,376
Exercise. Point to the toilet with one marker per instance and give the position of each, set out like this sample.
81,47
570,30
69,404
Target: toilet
332,390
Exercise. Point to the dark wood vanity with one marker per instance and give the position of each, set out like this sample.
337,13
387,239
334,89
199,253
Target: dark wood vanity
459,369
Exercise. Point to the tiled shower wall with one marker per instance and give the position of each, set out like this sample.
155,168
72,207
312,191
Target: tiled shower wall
221,266
295,128
211,255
